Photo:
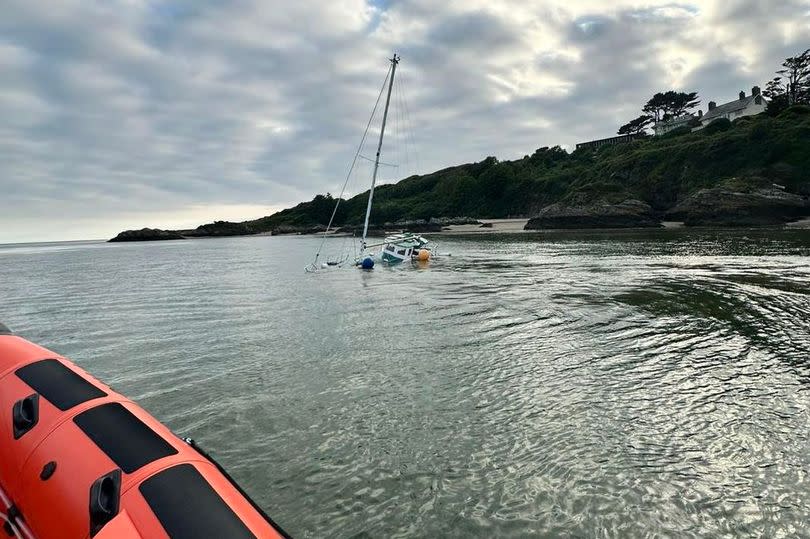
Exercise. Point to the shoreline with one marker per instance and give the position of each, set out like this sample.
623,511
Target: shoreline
497,227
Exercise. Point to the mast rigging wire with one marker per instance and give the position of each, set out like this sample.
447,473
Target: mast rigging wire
351,168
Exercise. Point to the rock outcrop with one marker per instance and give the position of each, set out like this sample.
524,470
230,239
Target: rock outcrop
629,213
148,234
220,229
418,226
725,207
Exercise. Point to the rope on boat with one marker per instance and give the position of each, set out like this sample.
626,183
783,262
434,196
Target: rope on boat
410,142
10,524
381,163
314,264
11,516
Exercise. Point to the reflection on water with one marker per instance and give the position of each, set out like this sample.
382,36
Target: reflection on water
605,384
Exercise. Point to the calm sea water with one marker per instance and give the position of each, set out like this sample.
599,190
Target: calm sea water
634,384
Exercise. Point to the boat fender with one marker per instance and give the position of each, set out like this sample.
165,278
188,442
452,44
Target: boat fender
367,263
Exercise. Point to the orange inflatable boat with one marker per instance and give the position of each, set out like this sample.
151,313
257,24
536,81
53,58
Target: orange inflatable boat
78,460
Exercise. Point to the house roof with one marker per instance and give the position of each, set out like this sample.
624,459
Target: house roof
727,108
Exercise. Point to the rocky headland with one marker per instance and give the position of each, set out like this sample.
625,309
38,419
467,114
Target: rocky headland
148,234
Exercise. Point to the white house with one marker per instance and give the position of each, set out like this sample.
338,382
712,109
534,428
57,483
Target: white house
673,123
744,106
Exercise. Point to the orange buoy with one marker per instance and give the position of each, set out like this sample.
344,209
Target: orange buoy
423,255
66,438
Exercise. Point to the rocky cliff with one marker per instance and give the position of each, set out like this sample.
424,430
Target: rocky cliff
723,207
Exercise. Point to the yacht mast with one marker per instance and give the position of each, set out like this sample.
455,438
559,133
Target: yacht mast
394,61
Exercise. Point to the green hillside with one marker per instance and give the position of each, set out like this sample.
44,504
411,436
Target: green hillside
747,153
750,153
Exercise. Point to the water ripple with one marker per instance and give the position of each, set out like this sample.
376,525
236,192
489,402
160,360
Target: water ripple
605,384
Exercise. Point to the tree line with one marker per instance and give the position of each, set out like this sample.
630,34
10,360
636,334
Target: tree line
790,87
660,108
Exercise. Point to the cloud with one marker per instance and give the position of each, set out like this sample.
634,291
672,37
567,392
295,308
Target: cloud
149,112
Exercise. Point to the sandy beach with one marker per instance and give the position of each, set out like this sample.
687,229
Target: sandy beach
801,223
510,226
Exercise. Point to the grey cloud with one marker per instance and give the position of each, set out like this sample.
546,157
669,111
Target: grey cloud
475,33
147,109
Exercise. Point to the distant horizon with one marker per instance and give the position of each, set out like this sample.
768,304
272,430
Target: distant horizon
128,115
101,240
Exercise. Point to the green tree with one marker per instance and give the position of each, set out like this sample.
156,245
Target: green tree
636,127
670,104
656,107
792,86
548,157
682,102
796,71
777,96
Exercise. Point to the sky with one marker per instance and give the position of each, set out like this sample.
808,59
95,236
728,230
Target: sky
118,114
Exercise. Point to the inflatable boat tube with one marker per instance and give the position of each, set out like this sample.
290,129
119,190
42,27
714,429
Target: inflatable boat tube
78,460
